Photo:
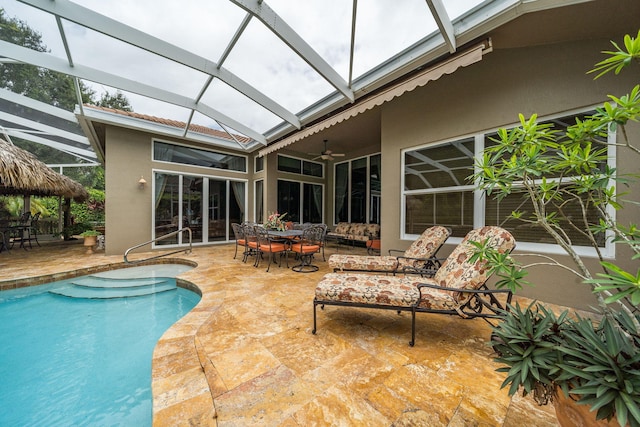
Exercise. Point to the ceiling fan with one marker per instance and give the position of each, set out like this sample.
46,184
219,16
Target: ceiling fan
327,154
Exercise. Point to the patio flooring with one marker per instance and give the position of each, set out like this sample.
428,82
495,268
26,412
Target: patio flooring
245,355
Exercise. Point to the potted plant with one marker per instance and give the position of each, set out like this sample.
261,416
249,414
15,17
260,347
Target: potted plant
558,357
90,239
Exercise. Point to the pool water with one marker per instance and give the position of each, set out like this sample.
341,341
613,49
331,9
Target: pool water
77,361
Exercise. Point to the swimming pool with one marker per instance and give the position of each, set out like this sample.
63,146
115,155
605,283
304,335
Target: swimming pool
87,360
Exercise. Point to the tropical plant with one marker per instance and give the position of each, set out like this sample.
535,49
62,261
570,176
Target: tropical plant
558,174
276,221
75,229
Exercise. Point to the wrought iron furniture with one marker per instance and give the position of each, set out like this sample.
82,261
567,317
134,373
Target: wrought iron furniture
458,287
271,246
238,233
4,244
251,240
32,231
19,232
419,257
309,244
373,246
354,232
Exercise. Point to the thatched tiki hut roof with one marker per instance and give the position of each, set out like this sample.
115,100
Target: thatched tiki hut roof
21,173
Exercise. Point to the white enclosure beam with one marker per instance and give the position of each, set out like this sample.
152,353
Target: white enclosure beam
444,23
112,28
51,62
280,28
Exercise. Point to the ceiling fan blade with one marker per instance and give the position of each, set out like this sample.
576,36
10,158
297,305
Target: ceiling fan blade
318,157
337,154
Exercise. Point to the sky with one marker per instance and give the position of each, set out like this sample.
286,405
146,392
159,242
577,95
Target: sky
205,27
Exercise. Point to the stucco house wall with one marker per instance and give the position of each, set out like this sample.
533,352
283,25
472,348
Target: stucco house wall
128,208
538,65
546,80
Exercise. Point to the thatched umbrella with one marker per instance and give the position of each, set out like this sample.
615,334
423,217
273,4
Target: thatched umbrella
21,173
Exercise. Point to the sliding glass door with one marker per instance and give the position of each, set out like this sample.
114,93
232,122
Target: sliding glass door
206,205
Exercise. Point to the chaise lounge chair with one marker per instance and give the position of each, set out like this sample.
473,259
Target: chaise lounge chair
458,287
419,257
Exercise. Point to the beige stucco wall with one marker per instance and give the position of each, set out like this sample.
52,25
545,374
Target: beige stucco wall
545,80
128,210
127,207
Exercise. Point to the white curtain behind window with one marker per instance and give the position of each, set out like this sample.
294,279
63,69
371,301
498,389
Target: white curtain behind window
342,180
239,193
317,199
259,201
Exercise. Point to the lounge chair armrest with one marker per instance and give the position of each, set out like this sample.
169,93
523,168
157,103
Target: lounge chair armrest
429,267
425,260
491,301
481,290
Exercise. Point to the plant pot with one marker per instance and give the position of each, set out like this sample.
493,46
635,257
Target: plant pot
570,414
90,242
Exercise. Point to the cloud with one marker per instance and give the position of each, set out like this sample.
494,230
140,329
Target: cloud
383,28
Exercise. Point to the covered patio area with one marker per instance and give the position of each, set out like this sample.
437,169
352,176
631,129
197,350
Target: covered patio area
245,355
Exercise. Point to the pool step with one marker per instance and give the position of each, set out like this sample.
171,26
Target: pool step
92,287
107,282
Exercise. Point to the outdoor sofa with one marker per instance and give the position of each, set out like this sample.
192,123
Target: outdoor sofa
354,232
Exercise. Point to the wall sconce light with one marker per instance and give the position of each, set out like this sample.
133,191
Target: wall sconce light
141,183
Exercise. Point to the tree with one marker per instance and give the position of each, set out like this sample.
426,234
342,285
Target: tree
596,361
117,101
58,90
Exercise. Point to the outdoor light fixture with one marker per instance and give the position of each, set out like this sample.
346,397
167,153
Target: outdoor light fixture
141,183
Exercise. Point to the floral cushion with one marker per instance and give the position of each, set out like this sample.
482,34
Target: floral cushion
342,228
381,290
457,272
367,289
373,230
363,262
428,243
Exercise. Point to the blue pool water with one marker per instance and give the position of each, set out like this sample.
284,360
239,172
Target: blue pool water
77,361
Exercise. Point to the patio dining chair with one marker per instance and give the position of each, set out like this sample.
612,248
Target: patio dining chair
32,231
238,233
418,258
19,232
251,241
271,246
310,243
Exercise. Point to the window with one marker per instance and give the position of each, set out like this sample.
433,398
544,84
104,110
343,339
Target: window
194,156
357,188
300,167
259,163
301,201
436,191
436,188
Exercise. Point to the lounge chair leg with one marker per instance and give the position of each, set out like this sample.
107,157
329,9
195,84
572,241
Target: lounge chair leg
413,327
313,331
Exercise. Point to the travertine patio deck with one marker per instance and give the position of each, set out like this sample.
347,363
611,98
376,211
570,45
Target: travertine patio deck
245,355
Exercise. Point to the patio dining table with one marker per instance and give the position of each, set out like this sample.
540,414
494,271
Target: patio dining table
287,234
